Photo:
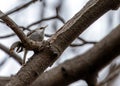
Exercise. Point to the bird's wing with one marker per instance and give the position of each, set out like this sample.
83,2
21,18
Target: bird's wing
29,33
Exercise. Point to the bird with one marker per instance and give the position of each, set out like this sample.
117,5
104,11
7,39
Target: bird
35,35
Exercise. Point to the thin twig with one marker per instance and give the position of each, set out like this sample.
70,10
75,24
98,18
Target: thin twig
77,45
16,9
14,27
114,72
42,13
58,8
61,19
45,19
13,34
7,36
83,42
4,60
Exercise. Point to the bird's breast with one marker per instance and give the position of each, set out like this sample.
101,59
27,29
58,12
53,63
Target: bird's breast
36,36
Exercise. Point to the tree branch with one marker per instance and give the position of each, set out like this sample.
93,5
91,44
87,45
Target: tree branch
111,76
13,26
69,70
89,63
46,19
13,34
74,27
29,44
4,80
16,9
83,42
6,36
60,41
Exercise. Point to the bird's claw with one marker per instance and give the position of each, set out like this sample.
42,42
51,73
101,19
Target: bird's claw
17,45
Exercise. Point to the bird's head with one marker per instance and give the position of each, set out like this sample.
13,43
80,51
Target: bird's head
43,28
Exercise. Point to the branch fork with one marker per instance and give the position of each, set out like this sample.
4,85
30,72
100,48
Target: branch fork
25,41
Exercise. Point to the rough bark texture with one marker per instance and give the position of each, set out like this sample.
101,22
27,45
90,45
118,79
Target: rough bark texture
60,41
4,80
75,26
80,67
90,62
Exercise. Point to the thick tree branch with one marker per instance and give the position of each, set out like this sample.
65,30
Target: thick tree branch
113,74
85,63
4,80
29,44
89,63
13,26
60,41
13,55
74,27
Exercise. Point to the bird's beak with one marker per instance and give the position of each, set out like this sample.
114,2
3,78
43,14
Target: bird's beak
45,26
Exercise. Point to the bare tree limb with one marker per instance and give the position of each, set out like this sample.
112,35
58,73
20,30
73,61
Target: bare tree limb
13,34
58,8
46,19
61,40
74,27
29,44
57,16
83,42
13,26
3,62
42,13
13,55
6,36
89,63
4,80
112,75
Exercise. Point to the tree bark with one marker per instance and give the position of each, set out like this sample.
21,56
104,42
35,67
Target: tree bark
60,41
4,80
90,62
81,66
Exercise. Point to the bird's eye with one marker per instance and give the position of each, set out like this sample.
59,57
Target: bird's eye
41,28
